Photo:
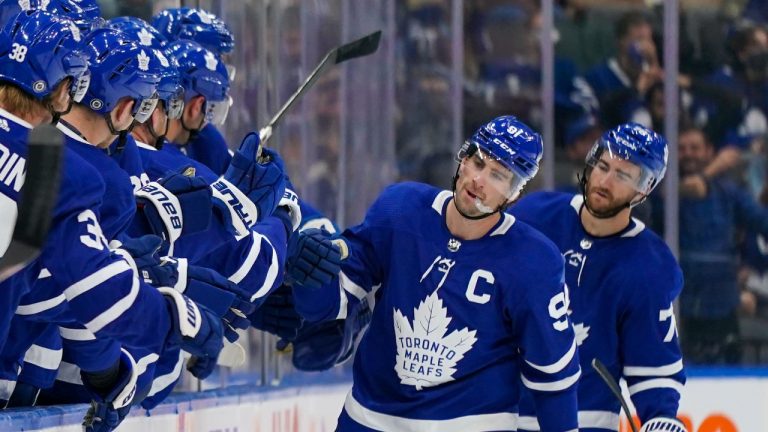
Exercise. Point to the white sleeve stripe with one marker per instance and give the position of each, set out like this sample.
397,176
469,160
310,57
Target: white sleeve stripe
163,381
272,273
43,357
253,253
6,388
608,420
76,334
116,310
558,365
552,386
656,384
351,287
143,363
35,308
69,373
96,278
182,265
343,304
665,370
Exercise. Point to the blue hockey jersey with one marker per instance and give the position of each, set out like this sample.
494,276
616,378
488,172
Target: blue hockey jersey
209,148
621,289
456,324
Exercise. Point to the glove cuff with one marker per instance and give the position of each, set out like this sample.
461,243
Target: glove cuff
291,202
239,210
168,209
185,311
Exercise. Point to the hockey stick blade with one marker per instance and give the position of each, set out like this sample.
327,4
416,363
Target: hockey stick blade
598,366
38,199
362,47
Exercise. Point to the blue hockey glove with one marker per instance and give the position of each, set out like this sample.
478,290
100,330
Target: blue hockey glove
143,250
249,191
174,205
112,393
201,367
313,258
205,287
277,314
321,346
196,330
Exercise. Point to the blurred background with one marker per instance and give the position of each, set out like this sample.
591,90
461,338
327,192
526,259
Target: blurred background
694,70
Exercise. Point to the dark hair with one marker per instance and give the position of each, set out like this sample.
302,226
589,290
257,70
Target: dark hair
629,20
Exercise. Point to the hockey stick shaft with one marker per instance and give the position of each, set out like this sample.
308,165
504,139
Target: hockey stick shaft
598,366
359,48
41,187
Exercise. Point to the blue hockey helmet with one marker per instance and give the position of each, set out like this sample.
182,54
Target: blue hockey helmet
169,89
120,68
511,143
197,25
203,73
140,30
84,13
636,144
38,50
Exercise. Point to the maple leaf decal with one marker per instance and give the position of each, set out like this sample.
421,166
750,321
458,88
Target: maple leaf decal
426,357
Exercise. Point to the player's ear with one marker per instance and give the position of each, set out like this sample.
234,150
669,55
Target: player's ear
122,114
195,107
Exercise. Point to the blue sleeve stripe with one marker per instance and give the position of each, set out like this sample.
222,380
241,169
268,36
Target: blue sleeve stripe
76,334
664,370
552,386
114,312
559,365
253,254
36,308
96,278
163,381
656,384
272,273
43,357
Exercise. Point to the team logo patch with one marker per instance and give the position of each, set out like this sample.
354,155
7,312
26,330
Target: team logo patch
96,104
143,59
453,245
585,244
426,357
210,61
145,37
39,86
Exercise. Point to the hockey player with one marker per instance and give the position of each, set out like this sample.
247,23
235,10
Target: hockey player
622,281
37,63
466,298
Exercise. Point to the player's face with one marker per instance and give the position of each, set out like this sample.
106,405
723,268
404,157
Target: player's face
612,184
483,185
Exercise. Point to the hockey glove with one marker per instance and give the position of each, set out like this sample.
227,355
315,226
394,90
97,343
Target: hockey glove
143,250
665,424
313,258
175,205
277,314
112,393
196,330
249,191
205,287
321,346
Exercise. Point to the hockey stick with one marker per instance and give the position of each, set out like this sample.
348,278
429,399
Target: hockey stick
598,366
360,48
38,199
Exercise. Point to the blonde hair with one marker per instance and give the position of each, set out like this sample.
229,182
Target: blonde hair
17,100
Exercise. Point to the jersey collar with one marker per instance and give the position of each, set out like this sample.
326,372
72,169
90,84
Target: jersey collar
634,228
15,119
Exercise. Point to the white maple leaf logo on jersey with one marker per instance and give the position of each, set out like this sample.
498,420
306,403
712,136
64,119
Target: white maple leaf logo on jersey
24,5
425,356
143,60
582,333
145,37
210,61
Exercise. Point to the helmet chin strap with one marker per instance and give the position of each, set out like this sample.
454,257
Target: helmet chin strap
56,115
487,211
159,138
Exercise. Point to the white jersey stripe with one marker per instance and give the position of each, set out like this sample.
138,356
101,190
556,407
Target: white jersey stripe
163,381
253,254
69,373
351,287
551,386
6,388
43,357
587,419
272,274
558,365
143,363
35,308
96,278
664,370
386,422
654,384
114,312
76,334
